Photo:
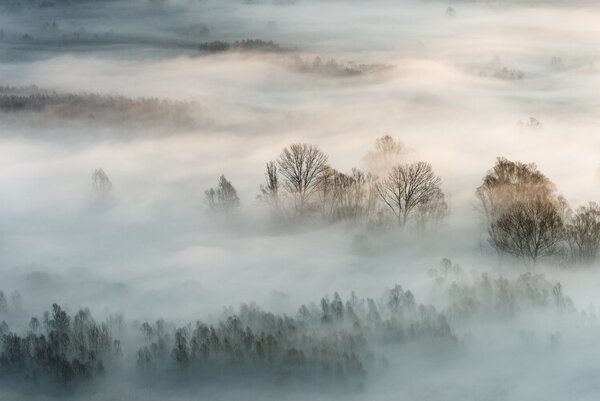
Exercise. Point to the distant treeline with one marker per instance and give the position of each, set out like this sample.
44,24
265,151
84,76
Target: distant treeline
241,45
96,107
335,68
472,297
19,4
50,36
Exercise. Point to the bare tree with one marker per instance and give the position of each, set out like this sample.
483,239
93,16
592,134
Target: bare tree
408,188
583,233
101,183
302,167
529,230
224,198
387,153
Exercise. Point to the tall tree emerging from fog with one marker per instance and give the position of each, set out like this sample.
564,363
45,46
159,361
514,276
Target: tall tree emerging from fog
101,183
386,154
223,198
583,233
409,188
529,230
302,167
523,211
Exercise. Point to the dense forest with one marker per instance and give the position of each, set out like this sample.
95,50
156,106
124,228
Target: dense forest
332,340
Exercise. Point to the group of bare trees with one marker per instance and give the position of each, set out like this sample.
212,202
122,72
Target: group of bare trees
485,295
301,183
526,216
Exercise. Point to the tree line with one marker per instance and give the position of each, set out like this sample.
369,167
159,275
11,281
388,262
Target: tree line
241,45
331,341
522,211
301,184
97,107
524,214
58,348
335,68
483,296
324,342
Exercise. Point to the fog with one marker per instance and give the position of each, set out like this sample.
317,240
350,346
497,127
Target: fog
117,117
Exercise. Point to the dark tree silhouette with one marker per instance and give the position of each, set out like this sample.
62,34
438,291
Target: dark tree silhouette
270,192
348,196
101,184
583,233
328,342
333,68
118,110
529,230
411,188
66,350
223,198
302,167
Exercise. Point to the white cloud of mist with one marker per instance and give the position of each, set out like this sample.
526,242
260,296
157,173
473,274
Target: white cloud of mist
158,253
